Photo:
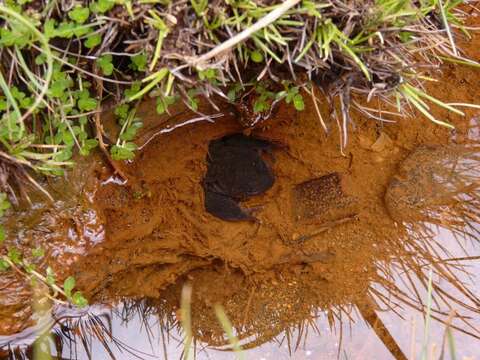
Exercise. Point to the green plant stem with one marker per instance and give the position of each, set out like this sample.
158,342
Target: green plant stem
46,51
38,276
186,319
447,27
428,317
228,328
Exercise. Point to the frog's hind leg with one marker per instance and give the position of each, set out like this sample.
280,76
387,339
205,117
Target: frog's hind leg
225,208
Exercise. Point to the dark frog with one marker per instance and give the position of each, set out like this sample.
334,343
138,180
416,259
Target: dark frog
236,171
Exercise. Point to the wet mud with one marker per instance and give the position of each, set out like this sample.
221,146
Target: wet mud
321,229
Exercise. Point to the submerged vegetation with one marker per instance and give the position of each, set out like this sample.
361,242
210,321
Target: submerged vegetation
15,260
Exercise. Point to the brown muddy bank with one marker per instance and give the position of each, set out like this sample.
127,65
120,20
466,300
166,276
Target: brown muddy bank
321,230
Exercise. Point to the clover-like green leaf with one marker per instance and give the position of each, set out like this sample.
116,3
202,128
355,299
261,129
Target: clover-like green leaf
14,255
68,286
102,6
87,104
87,146
65,30
4,203
105,63
49,28
121,111
79,14
131,131
125,152
139,62
50,278
79,300
4,265
164,102
92,41
135,88
298,102
38,252
256,56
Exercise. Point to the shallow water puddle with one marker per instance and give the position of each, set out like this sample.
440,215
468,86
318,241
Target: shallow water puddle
340,248
139,330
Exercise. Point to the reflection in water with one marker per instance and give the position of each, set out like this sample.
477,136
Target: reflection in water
435,204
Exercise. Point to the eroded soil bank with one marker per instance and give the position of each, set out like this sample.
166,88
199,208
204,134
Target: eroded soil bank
324,232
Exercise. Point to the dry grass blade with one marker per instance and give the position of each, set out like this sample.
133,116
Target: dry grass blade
245,34
186,319
228,328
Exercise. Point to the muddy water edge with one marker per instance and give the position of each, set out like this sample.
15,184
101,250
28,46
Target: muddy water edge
325,239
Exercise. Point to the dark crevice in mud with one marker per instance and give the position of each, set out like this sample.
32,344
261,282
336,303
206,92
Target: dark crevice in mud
334,239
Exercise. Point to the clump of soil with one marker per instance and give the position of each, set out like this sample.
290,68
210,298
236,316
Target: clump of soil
318,198
433,181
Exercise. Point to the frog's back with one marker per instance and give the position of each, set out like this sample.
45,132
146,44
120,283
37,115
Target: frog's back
237,140
237,167
254,176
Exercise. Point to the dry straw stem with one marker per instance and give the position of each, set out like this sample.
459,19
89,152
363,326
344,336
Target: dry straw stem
200,62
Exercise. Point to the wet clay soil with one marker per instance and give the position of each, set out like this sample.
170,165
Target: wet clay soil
320,231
